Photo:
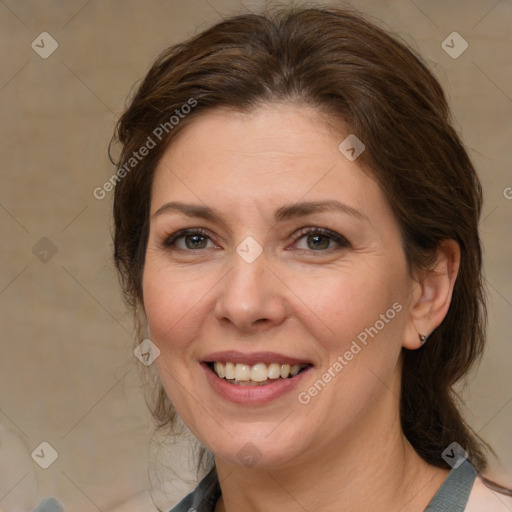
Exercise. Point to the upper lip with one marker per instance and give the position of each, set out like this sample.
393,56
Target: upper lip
252,358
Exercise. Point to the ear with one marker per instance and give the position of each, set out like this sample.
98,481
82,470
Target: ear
432,294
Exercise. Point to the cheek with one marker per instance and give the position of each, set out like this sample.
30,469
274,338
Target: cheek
363,317
173,306
345,304
175,309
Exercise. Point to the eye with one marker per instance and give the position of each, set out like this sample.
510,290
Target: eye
308,239
320,239
188,239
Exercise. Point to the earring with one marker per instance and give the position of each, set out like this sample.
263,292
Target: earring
423,339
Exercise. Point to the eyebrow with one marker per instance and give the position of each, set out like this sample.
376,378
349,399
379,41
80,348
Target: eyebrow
285,212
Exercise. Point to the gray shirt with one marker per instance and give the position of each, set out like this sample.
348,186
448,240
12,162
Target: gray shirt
452,496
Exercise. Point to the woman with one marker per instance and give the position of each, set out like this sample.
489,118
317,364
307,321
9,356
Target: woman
296,228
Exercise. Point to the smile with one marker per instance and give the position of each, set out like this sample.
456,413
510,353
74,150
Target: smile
255,378
260,374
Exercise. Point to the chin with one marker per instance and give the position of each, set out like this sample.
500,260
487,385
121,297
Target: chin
258,449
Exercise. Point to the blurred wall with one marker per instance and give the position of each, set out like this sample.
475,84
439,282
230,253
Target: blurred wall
68,376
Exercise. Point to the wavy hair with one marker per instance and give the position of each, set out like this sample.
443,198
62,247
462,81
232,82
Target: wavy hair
350,70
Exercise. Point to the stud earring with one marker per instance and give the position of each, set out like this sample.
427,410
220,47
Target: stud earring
423,339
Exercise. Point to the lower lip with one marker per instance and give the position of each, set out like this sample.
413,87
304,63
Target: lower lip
252,395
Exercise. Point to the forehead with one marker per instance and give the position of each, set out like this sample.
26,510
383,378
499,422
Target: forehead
275,153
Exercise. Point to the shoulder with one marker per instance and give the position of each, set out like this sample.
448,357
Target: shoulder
483,498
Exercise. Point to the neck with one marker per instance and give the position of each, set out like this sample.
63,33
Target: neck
366,468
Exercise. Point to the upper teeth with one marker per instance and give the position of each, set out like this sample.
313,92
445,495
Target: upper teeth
258,372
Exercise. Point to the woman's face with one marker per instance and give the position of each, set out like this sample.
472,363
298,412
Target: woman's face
293,258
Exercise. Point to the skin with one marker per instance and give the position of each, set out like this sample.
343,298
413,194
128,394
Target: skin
294,299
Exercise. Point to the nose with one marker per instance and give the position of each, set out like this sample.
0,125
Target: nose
251,297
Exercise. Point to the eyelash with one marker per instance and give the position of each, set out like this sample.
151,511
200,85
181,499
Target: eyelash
342,242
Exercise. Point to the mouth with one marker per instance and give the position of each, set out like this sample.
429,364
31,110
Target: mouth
254,378
259,374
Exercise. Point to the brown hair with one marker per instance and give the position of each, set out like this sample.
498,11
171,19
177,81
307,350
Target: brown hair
351,70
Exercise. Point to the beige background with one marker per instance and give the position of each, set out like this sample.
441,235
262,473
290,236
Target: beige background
67,372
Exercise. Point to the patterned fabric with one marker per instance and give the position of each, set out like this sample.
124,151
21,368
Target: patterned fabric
453,495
